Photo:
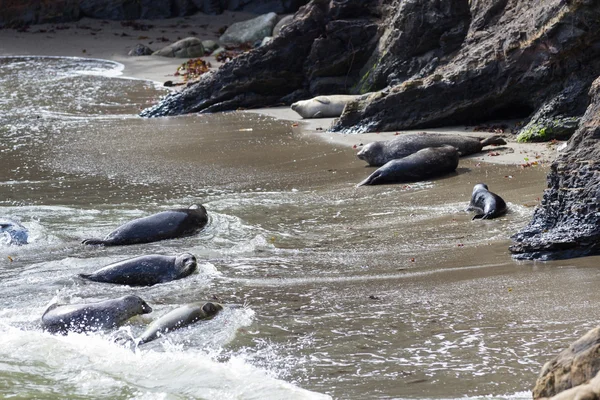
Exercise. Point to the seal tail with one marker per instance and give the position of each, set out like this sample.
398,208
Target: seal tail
85,276
93,242
496,139
371,180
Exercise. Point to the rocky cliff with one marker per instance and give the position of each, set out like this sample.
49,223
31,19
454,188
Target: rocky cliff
567,223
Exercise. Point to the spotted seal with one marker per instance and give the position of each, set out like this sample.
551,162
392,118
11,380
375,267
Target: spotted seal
12,232
90,317
323,106
378,153
163,225
145,270
179,318
425,163
488,205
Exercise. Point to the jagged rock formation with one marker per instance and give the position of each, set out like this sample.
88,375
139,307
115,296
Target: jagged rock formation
567,223
573,374
318,52
25,12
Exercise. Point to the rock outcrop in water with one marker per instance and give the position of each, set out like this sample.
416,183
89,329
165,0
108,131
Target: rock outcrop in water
567,223
573,374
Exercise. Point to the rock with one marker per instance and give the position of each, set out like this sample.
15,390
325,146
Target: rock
210,46
152,9
210,7
110,9
282,22
574,366
265,6
14,13
190,47
266,40
543,130
567,222
280,73
249,31
218,51
140,50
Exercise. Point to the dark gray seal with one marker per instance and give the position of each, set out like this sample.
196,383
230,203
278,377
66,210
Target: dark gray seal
145,270
12,232
378,153
488,205
179,318
90,317
424,164
163,225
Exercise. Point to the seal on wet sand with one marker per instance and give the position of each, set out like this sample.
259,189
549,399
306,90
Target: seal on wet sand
163,225
378,153
90,317
12,232
488,205
179,318
323,106
425,163
146,270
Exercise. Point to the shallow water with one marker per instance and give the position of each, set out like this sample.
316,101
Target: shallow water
330,290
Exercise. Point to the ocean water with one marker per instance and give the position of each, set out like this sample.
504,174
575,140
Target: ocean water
330,291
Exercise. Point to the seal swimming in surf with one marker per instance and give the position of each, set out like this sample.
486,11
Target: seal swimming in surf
163,225
179,318
378,153
425,163
90,317
12,232
323,106
488,205
145,270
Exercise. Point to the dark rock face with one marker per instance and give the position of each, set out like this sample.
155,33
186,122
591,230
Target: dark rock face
283,71
517,57
567,223
574,366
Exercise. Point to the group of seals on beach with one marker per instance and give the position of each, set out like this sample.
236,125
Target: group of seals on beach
414,157
144,270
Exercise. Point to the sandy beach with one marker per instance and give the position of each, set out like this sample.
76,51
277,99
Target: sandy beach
112,40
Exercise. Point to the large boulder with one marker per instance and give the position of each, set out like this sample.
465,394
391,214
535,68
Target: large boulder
190,47
567,222
250,31
577,365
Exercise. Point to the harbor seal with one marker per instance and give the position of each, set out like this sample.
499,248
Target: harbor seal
323,106
378,153
12,232
91,317
163,225
425,163
488,205
179,318
145,270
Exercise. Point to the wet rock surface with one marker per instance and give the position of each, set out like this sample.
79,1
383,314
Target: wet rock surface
573,373
567,223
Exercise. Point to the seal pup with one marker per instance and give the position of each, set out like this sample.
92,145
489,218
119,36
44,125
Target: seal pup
179,318
323,106
163,225
12,232
378,153
146,270
425,163
488,205
90,317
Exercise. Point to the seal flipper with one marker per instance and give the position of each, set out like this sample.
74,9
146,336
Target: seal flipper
93,242
496,139
371,180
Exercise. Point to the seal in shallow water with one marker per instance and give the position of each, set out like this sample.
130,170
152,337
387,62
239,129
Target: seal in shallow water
163,225
488,205
89,317
378,153
425,163
323,106
145,270
12,232
179,318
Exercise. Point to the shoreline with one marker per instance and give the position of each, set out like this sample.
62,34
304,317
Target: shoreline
112,40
